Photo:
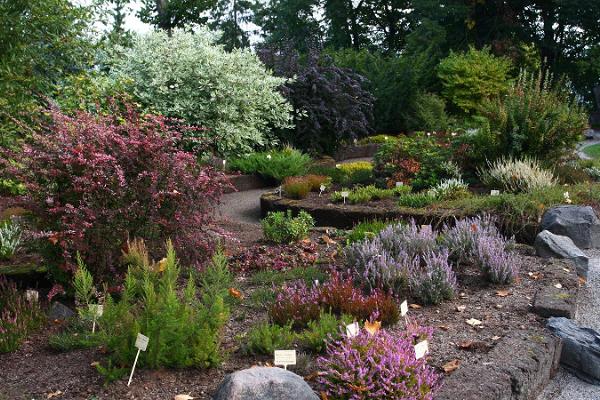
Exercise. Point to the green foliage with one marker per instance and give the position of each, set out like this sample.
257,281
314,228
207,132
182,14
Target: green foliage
83,283
274,166
76,335
450,189
537,118
188,76
430,113
10,239
327,328
272,278
41,43
11,187
366,229
417,200
170,14
377,139
265,338
471,77
516,176
281,227
364,194
184,331
216,278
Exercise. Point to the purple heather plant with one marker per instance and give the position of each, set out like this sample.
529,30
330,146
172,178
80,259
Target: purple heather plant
408,238
378,366
461,239
434,280
498,264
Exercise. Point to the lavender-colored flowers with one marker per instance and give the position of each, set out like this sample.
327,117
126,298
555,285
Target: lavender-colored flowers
377,366
434,281
461,239
498,264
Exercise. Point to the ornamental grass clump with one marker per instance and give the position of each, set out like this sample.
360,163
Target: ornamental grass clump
516,175
450,189
378,366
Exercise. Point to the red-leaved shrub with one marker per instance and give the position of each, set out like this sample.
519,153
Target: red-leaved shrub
94,181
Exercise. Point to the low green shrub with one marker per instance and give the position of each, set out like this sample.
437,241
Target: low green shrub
274,166
76,335
364,194
358,172
265,338
297,187
366,229
379,139
277,278
184,330
417,200
281,227
9,187
327,328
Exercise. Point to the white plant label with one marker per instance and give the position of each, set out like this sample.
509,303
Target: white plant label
285,358
399,184
280,189
141,342
404,308
425,227
321,190
32,295
421,349
494,192
344,195
224,162
316,282
352,329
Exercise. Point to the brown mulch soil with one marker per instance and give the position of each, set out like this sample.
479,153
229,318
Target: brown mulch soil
36,371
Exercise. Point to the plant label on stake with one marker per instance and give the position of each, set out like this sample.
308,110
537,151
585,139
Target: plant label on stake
280,189
494,192
96,310
404,308
344,195
321,190
352,330
399,184
421,349
32,295
224,162
141,342
285,358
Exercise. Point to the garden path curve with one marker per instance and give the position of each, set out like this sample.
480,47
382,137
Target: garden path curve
566,386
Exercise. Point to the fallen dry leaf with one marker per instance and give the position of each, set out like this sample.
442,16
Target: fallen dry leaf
473,322
581,281
162,265
443,327
314,375
183,397
502,293
94,364
372,327
357,388
451,366
462,295
465,344
558,286
566,270
54,394
494,338
461,308
535,275
327,240
415,306
324,396
233,292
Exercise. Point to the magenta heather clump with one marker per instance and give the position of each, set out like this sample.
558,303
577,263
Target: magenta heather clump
496,262
378,366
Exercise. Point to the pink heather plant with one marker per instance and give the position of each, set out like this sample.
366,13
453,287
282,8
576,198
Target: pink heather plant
96,180
498,264
376,366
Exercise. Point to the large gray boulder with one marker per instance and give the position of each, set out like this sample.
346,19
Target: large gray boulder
579,223
581,348
264,383
549,245
58,311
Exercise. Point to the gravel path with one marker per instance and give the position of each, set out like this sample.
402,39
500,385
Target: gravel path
243,206
566,386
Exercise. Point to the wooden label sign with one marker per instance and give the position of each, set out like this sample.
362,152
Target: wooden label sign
141,342
285,358
421,349
404,308
352,329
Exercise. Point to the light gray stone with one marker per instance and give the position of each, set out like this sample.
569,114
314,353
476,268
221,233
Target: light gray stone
60,311
579,223
581,348
264,383
549,245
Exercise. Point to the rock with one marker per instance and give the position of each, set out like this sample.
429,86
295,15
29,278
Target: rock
579,223
264,383
549,245
553,302
60,311
581,348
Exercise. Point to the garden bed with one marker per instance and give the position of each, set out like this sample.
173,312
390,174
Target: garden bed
510,355
345,216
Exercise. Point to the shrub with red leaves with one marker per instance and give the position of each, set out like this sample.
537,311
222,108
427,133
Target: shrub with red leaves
96,180
300,304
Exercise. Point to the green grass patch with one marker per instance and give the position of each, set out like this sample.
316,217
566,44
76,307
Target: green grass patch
270,277
592,151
